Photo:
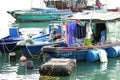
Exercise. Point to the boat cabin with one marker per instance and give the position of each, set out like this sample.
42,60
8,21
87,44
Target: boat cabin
90,32
74,5
91,37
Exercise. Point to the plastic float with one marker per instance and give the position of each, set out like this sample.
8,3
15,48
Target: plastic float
23,58
96,55
113,51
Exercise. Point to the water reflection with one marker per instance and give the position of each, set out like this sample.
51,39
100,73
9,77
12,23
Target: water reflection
82,71
96,71
30,24
14,70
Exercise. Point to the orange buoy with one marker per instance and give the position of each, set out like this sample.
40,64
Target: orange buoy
23,59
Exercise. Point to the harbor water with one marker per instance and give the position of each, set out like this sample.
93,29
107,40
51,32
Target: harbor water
16,70
10,70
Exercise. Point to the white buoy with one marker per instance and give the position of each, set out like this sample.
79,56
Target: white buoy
23,59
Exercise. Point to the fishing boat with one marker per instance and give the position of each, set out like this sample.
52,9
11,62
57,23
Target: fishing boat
31,46
89,37
8,43
42,13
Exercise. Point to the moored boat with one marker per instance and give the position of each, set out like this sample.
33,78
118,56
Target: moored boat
90,37
8,43
32,46
39,14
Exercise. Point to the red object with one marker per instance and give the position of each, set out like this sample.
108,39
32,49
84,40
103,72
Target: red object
69,16
66,48
77,21
58,35
98,4
23,59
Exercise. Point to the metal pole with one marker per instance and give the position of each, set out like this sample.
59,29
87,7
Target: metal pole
54,3
31,3
62,4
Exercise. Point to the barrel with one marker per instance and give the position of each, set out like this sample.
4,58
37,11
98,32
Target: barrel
92,55
113,51
96,55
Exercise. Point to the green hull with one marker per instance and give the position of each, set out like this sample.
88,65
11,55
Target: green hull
36,17
39,14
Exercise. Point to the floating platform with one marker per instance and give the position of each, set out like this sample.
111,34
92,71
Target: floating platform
57,67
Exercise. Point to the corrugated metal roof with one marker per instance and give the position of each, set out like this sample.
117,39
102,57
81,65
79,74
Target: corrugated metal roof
110,16
96,15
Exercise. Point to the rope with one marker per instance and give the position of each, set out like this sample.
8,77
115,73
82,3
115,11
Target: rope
45,56
51,70
5,46
32,55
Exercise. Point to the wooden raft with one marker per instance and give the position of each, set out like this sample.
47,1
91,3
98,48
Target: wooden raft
57,67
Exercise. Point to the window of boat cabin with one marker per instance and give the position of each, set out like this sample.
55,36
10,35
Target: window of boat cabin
99,30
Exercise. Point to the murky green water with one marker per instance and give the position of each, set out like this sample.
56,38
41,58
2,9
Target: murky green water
14,70
31,24
10,70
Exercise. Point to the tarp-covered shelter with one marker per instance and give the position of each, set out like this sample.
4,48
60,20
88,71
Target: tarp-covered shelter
105,25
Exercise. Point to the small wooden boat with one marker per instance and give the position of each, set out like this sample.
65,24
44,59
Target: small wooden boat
39,14
32,46
8,43
91,37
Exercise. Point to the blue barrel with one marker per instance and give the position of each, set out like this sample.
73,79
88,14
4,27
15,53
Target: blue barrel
92,55
113,51
81,56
